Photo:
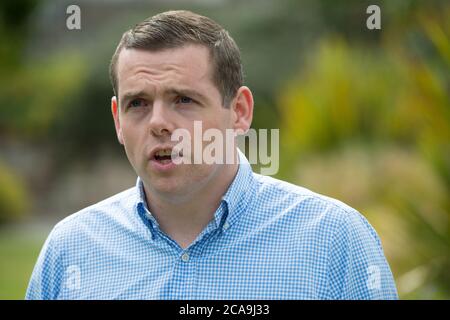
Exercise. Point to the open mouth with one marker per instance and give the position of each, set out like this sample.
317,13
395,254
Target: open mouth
165,156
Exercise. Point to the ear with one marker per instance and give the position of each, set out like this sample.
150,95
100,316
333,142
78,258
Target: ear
242,109
115,113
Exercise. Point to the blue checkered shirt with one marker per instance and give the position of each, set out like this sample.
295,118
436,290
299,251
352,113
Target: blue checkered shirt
268,240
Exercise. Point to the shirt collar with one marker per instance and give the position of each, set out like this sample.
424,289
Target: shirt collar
234,201
240,191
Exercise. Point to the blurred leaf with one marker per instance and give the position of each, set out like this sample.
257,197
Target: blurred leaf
13,197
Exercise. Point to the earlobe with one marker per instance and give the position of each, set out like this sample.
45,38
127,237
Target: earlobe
115,113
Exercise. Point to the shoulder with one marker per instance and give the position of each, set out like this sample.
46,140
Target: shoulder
74,238
92,218
266,184
275,189
312,207
356,267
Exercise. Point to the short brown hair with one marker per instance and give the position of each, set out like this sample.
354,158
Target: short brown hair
174,29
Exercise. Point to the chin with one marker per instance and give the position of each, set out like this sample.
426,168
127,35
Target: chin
171,188
166,186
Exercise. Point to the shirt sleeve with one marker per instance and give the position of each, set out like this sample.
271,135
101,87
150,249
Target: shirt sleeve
357,266
45,279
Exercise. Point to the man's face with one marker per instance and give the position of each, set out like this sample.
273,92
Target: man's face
159,92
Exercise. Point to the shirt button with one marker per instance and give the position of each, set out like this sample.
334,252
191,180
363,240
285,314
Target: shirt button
226,225
185,257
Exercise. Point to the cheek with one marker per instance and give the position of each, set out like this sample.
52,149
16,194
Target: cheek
131,140
219,121
132,130
195,174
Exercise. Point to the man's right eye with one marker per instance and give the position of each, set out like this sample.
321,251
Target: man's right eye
136,103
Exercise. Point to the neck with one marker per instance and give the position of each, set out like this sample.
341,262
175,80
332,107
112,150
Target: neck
184,219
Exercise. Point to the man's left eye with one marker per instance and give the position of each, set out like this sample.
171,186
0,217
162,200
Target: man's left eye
184,100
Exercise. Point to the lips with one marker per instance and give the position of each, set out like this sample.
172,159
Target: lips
164,154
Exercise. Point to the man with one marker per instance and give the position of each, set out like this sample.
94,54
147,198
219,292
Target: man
208,230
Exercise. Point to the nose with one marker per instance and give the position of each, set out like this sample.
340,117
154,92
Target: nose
160,123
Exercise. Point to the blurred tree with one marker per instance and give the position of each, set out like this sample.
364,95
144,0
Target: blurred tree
14,19
13,204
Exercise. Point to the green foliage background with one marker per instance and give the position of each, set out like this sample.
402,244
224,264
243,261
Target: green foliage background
364,116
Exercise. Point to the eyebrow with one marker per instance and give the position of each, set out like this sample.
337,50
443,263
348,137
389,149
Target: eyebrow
188,93
131,95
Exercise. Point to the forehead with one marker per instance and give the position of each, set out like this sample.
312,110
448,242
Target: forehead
189,65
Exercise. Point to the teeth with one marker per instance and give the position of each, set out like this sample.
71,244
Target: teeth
166,152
